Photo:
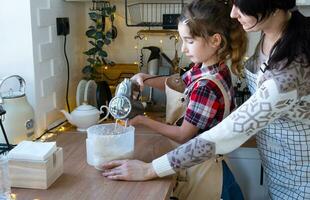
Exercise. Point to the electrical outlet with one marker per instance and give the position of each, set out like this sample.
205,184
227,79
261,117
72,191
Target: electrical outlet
63,27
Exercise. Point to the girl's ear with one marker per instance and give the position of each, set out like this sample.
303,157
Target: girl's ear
216,40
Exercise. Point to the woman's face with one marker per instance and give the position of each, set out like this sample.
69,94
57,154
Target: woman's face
249,23
197,49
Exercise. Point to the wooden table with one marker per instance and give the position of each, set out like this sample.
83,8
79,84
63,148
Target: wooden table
81,181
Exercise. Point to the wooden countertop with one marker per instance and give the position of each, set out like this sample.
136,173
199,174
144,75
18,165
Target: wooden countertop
81,181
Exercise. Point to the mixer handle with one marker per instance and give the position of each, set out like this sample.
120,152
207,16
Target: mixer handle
22,84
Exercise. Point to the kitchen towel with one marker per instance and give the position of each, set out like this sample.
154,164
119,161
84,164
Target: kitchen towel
34,151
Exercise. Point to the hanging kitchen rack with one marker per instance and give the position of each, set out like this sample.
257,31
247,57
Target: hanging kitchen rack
99,5
149,13
141,34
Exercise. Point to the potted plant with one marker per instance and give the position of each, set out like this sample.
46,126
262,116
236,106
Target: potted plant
99,37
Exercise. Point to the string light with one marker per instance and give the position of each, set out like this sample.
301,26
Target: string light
136,47
160,41
106,67
13,196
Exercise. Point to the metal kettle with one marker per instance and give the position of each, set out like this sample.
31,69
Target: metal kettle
125,105
19,118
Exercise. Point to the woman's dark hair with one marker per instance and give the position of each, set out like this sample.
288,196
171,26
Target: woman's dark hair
295,40
208,17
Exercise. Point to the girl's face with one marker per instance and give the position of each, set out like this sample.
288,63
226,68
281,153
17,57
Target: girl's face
197,49
249,23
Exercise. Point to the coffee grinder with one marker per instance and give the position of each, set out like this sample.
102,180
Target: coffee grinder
152,66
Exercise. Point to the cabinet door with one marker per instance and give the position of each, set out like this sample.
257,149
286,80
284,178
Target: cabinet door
246,167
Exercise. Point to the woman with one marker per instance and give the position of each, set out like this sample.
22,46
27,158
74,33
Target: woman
277,112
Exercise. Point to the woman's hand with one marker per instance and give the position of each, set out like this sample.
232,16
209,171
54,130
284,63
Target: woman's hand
129,170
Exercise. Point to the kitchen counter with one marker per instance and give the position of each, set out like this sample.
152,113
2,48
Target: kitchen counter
81,181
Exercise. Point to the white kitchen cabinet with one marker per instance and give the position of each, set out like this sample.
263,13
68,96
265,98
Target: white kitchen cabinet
245,164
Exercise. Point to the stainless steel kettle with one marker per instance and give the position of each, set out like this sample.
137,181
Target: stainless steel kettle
18,121
125,104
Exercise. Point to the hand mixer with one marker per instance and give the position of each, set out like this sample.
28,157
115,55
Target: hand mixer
126,104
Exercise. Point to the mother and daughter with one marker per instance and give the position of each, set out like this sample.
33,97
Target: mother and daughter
277,112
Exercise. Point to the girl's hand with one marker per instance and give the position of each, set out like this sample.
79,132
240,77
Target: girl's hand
136,120
129,170
139,79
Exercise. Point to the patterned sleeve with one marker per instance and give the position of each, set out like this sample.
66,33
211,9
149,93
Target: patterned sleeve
203,105
268,103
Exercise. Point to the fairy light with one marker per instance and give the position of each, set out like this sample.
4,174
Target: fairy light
13,196
135,62
136,47
145,38
61,129
160,41
106,67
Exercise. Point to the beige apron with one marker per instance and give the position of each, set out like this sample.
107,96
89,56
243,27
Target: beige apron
203,181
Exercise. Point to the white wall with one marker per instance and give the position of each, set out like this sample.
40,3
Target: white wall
30,48
49,61
16,44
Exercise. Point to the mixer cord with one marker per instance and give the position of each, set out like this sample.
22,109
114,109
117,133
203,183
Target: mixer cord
152,77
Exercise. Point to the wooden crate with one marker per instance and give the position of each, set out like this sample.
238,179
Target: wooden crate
36,175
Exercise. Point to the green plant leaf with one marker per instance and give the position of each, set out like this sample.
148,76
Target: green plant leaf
91,27
91,60
113,9
109,11
99,26
86,53
90,33
93,51
99,35
92,43
93,16
109,35
87,69
100,44
103,12
102,53
107,41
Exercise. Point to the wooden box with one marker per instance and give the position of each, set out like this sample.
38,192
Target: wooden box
36,174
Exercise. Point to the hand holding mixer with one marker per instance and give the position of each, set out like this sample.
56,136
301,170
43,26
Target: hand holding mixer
126,104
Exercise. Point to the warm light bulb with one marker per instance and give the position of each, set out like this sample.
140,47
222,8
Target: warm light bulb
136,47
13,196
160,41
135,63
62,129
105,67
145,38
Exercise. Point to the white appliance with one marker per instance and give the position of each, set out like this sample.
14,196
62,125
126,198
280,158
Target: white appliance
18,121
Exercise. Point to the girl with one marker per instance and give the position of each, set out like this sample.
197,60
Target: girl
210,37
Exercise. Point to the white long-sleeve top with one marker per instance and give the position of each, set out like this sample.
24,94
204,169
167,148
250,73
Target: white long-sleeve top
281,94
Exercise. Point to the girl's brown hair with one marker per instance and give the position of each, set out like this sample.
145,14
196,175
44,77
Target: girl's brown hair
208,17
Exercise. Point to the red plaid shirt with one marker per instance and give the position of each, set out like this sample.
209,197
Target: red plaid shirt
206,102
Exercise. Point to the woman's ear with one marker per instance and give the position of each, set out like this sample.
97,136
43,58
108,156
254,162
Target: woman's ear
216,40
